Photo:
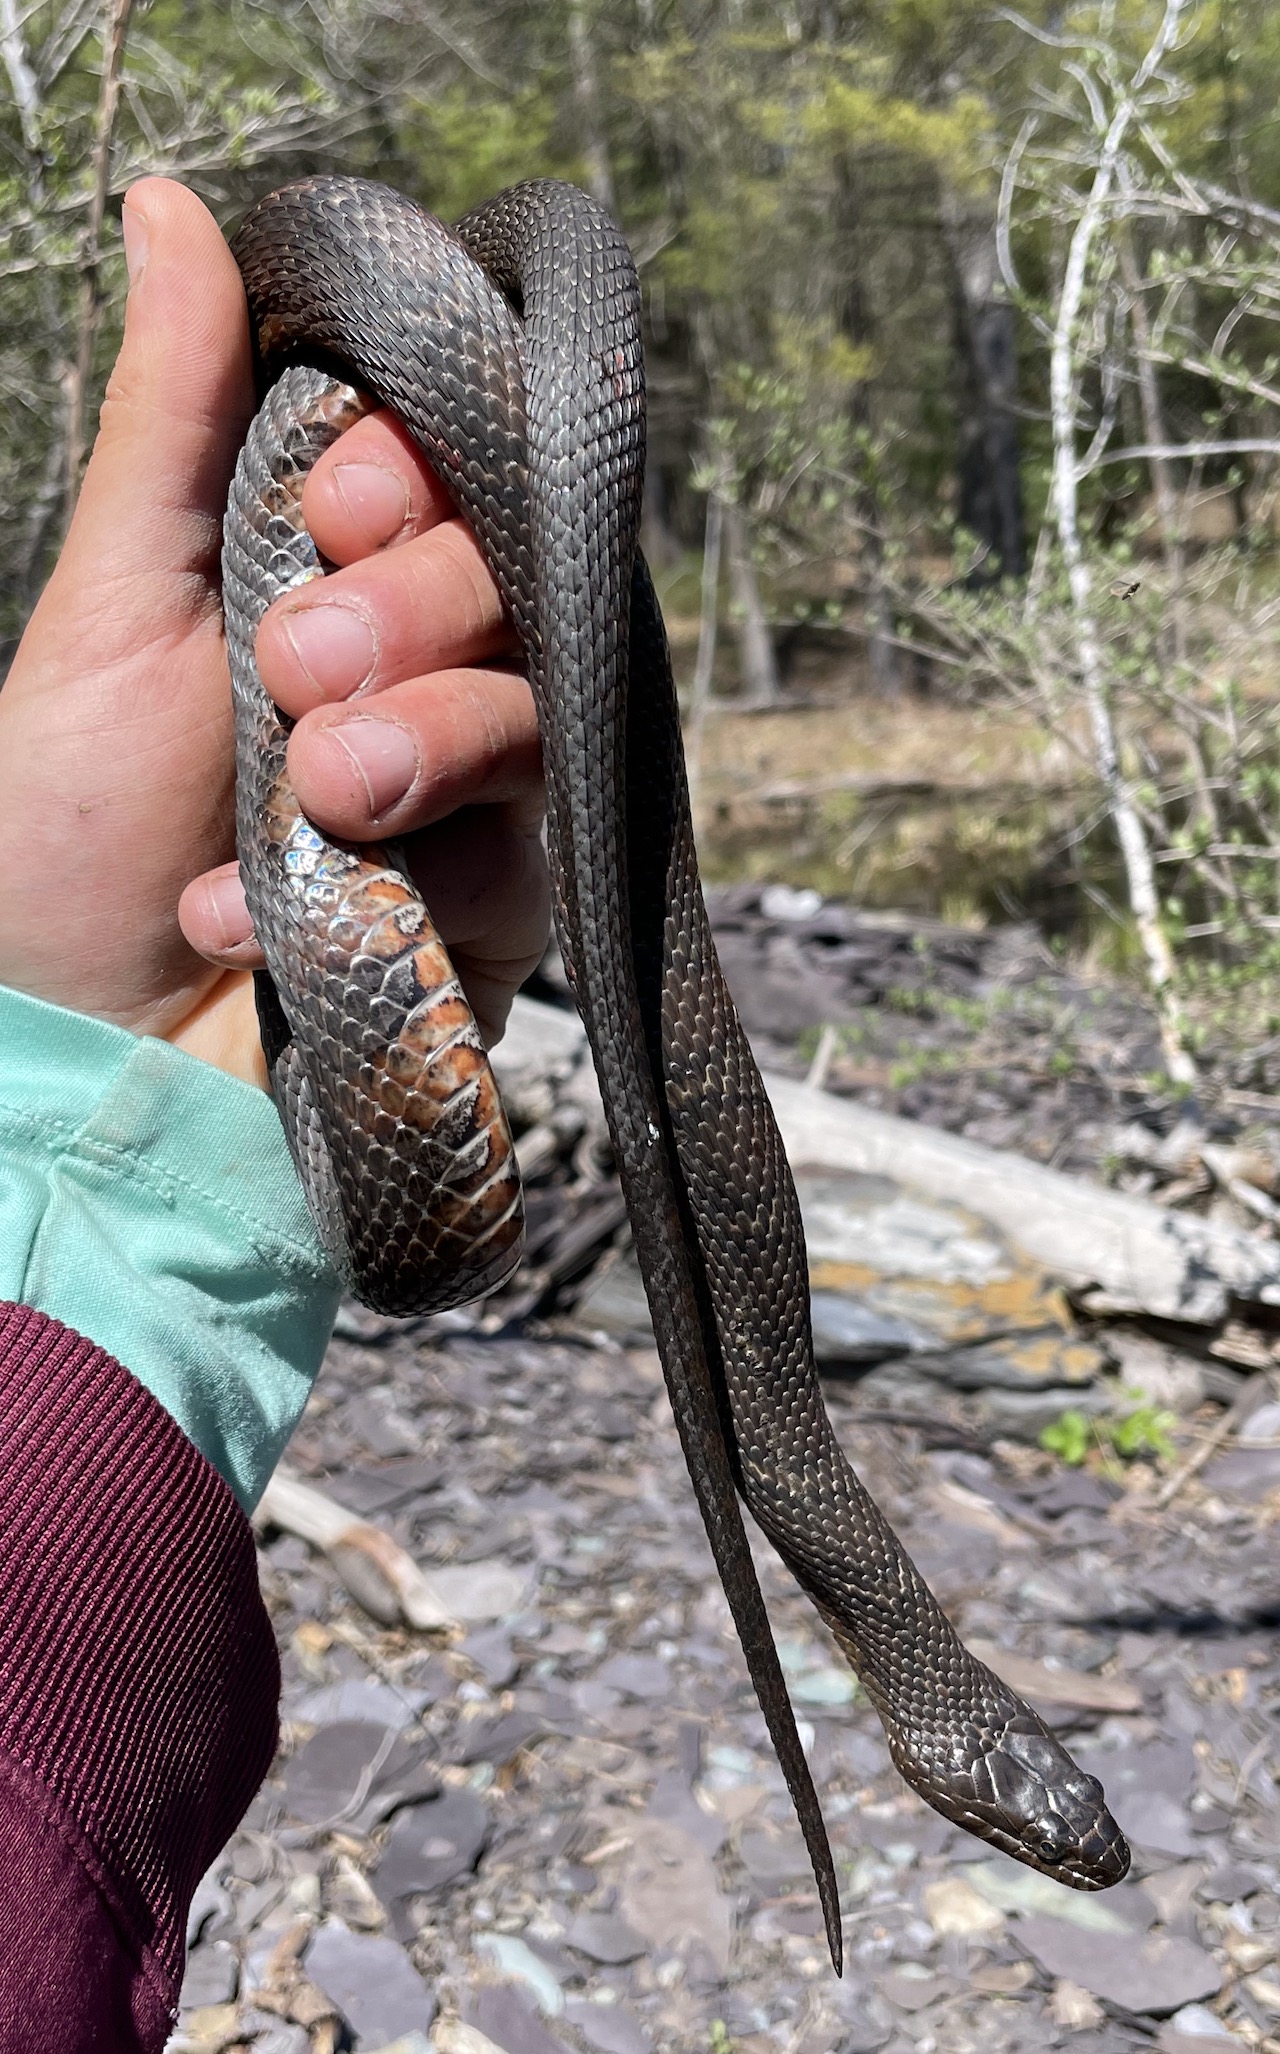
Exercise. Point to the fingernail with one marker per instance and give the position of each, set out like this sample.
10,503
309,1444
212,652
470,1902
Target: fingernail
133,227
376,499
335,648
384,756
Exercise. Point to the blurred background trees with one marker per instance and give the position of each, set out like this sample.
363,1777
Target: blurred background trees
961,321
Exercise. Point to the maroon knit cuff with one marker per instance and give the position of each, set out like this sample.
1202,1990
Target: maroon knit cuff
139,1679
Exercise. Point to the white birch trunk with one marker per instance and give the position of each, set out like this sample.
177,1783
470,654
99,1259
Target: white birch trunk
1064,398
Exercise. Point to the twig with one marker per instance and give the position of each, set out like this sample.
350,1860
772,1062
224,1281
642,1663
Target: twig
1231,1420
1167,452
1252,1101
816,1075
385,1581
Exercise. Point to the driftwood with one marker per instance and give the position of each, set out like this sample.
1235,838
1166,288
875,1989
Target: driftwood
1130,1256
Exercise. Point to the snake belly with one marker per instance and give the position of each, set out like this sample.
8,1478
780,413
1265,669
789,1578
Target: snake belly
510,348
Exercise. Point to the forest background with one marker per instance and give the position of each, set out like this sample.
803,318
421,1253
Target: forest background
964,373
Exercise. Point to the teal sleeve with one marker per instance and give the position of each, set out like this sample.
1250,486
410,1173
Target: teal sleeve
149,1201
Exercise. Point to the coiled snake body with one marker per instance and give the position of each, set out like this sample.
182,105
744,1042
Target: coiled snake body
510,348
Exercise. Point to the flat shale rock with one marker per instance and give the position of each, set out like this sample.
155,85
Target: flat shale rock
505,2017
517,1962
1155,1975
603,1937
609,2028
670,1892
1248,1473
372,1981
847,1333
324,1775
362,1700
431,1845
212,1974
640,1676
1155,1822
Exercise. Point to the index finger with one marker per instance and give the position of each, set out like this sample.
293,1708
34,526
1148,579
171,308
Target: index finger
373,488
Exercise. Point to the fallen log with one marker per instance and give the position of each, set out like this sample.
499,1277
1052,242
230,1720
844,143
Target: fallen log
1132,1257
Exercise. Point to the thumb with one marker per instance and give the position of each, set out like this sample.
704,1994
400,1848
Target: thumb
143,545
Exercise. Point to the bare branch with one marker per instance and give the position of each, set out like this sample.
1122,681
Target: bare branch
115,29
1004,213
1064,390
1167,452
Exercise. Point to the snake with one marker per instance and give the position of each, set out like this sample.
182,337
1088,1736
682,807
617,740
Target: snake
510,348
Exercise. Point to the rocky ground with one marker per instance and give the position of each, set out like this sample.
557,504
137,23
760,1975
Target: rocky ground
559,1826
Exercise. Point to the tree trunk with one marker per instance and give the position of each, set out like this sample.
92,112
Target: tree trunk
702,669
853,316
990,501
586,91
757,660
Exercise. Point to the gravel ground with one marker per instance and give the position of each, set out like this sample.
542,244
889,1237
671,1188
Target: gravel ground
560,1826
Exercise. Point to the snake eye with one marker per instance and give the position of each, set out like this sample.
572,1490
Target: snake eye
1050,1838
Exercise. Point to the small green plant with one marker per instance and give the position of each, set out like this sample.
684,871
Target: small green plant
1070,1438
720,2042
1145,1431
914,1064
1123,1437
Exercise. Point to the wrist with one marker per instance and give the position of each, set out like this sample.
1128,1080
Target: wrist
222,1030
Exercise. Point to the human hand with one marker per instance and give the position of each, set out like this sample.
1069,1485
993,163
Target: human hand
116,757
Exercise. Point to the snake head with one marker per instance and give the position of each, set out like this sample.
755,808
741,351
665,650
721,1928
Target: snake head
1005,1779
1031,1800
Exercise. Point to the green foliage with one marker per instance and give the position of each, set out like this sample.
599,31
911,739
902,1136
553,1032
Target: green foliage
466,147
1144,1431
1069,1437
1120,1437
805,187
210,95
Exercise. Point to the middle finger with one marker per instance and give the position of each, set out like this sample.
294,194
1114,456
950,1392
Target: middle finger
428,604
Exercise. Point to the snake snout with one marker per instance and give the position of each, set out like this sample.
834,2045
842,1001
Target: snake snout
1055,1815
